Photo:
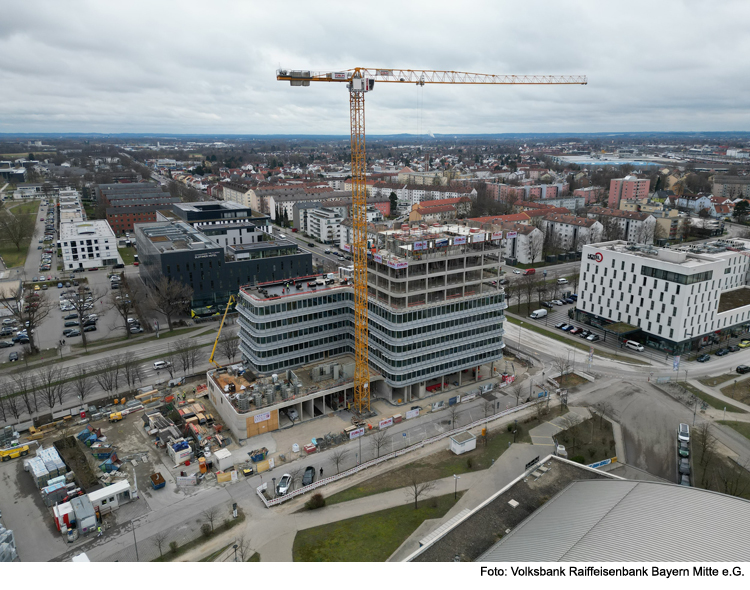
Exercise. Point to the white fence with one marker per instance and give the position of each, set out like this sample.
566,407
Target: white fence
393,455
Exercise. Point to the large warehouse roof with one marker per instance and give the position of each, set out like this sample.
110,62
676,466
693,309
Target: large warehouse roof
619,520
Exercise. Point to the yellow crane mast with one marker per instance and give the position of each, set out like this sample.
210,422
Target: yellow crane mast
231,302
359,81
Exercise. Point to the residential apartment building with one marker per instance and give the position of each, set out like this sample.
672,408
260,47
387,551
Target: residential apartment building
131,203
591,194
567,232
432,314
631,226
324,225
675,299
416,193
628,188
88,244
735,187
241,194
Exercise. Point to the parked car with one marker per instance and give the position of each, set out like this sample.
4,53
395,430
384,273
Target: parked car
684,467
72,323
71,316
89,327
560,325
703,358
568,300
685,480
683,449
13,356
284,484
576,330
744,343
742,369
134,330
158,365
593,338
6,343
568,328
683,433
557,302
733,348
73,333
721,352
516,271
585,334
547,304
309,476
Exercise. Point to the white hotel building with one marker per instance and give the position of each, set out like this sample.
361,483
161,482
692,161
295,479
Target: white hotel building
678,298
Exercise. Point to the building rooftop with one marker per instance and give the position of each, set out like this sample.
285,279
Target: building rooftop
171,236
82,229
635,521
686,255
289,288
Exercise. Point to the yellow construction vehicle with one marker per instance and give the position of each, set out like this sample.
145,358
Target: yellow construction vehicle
115,417
14,453
360,81
231,301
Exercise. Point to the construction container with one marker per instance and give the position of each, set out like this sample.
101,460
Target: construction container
157,481
223,459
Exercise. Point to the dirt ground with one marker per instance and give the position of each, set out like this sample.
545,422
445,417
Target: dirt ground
592,439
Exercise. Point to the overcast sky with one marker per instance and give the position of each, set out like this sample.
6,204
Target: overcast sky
210,67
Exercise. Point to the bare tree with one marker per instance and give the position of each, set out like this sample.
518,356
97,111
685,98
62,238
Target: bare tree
10,401
211,515
562,364
131,368
732,478
106,373
516,391
30,309
121,302
195,354
416,488
536,245
338,456
378,441
295,476
243,548
488,408
527,284
181,349
51,384
229,344
171,298
541,291
512,292
25,386
84,303
16,228
83,382
705,442
159,539
454,413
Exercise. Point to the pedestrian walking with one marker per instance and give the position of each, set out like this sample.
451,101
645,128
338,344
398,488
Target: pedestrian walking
321,472
101,534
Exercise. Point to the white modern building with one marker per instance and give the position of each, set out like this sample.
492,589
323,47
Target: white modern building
70,206
673,299
88,244
324,225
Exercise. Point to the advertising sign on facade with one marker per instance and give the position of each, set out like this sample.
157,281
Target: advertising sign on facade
511,234
262,417
498,235
477,238
420,246
397,265
441,243
458,240
356,433
377,258
412,414
346,248
385,423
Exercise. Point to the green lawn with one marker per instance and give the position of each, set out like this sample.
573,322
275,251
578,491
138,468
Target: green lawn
585,347
742,427
718,380
370,537
127,254
11,255
712,401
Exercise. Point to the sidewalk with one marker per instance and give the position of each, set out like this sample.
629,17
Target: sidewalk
718,395
542,434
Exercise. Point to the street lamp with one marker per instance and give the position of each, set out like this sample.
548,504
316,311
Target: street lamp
235,551
455,486
519,337
274,486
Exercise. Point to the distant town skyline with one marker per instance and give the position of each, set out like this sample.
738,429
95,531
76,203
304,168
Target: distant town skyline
211,69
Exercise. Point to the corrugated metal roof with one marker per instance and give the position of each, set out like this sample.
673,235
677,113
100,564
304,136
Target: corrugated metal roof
610,520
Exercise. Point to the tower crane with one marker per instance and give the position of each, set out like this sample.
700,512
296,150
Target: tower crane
359,81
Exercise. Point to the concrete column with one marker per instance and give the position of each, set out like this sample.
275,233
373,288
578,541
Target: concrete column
460,377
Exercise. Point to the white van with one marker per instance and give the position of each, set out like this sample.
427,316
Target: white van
632,345
562,281
539,313
160,365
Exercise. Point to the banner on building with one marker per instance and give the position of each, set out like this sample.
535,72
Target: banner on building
346,248
458,240
397,265
511,234
262,417
356,433
441,243
676,363
385,423
477,238
498,235
412,414
420,246
377,258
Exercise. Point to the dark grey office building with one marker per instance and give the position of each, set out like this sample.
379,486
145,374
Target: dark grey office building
216,270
